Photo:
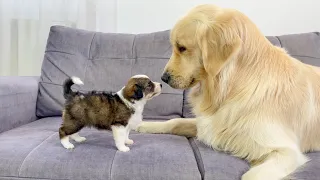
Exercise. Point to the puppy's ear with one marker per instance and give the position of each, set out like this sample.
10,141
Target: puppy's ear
137,93
132,91
218,43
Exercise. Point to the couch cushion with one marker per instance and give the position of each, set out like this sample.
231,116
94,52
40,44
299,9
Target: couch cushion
34,151
105,61
305,47
217,165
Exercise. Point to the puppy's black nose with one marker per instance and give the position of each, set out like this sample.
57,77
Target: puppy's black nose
161,85
165,77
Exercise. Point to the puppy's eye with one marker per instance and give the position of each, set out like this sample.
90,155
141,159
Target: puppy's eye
182,49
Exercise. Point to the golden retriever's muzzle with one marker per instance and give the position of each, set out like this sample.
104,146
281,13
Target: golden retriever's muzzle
176,81
166,77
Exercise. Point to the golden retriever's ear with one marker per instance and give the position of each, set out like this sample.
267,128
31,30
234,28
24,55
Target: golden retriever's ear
218,46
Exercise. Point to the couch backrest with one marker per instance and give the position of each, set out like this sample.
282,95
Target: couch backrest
105,61
304,46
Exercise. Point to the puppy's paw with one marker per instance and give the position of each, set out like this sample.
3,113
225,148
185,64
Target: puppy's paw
76,137
124,149
80,139
68,146
66,143
129,141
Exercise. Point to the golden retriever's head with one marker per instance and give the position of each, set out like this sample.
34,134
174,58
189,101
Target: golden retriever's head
203,41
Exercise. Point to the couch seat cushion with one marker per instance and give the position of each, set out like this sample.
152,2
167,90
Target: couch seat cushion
34,151
219,165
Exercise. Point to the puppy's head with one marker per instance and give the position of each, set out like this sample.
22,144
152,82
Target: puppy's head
140,87
202,41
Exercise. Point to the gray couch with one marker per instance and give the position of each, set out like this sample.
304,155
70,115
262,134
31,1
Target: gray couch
30,113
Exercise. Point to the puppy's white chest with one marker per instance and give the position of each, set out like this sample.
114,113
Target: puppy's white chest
136,118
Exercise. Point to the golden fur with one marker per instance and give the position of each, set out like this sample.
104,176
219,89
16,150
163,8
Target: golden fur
250,98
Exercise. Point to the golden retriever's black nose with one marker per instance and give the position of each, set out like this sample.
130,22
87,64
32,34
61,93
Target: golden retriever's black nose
165,77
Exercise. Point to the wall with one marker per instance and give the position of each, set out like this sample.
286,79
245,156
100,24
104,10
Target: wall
273,17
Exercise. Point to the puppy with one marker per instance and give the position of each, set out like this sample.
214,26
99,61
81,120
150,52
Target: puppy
119,112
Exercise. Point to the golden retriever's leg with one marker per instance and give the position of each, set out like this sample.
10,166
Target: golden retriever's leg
180,126
278,165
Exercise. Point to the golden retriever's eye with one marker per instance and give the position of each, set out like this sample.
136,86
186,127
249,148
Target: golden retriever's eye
182,49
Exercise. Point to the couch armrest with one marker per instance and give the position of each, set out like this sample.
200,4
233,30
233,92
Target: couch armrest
18,97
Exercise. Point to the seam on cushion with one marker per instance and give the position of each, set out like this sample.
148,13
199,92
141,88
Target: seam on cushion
196,153
133,49
172,93
123,58
183,103
110,173
50,83
44,75
89,54
305,56
29,178
21,126
163,58
16,94
52,97
135,57
56,67
59,52
85,71
279,41
19,171
16,105
111,58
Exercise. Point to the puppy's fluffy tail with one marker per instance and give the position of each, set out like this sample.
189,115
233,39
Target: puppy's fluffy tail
67,92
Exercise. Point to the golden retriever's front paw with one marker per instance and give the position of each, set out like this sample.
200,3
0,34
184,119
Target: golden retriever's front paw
145,127
153,127
141,128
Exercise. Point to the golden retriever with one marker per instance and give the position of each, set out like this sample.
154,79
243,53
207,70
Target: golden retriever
250,97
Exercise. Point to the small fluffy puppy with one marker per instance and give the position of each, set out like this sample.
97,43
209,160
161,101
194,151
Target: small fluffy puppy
119,112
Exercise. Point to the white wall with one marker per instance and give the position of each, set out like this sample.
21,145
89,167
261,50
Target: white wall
24,27
273,17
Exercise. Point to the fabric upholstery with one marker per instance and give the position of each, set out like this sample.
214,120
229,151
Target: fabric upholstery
218,165
304,47
311,170
34,151
18,97
105,61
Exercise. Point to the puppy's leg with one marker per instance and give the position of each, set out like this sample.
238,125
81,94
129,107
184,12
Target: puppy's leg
76,137
128,141
278,165
180,126
65,131
120,135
